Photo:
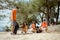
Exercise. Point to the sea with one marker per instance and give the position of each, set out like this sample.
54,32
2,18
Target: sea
4,19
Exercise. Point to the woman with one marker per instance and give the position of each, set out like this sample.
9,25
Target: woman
24,28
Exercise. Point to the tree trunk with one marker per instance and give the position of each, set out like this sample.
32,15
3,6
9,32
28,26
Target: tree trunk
47,16
57,15
48,19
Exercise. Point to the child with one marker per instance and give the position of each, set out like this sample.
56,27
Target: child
33,27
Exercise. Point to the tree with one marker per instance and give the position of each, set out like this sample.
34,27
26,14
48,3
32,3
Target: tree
32,6
49,4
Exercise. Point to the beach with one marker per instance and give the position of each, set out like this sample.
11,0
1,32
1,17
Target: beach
30,36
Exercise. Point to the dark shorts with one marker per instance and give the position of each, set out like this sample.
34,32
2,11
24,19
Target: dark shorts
16,26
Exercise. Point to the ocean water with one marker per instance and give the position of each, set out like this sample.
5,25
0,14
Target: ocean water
3,24
2,29
4,21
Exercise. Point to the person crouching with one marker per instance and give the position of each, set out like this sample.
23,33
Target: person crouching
44,26
24,28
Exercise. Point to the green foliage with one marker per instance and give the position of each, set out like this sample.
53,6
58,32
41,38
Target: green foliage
33,6
29,20
7,29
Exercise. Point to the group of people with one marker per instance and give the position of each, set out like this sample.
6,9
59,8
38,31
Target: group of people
34,27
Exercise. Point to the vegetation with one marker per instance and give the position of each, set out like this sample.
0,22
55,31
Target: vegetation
7,29
26,8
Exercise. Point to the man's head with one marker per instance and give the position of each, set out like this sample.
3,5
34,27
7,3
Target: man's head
17,7
44,20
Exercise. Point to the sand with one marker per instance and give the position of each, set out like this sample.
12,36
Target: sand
30,36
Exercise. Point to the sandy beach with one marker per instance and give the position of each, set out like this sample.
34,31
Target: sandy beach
30,36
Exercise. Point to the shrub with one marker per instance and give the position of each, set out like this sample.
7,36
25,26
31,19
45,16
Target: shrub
7,29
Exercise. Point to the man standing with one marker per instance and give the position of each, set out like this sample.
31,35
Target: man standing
15,25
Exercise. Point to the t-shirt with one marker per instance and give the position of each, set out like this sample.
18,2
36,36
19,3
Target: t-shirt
13,15
44,24
33,25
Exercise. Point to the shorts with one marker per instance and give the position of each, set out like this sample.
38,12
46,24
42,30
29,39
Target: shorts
43,28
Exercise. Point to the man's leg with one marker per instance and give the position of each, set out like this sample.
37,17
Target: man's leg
12,29
15,31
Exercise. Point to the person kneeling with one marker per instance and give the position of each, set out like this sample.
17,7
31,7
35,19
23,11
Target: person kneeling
24,28
44,26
